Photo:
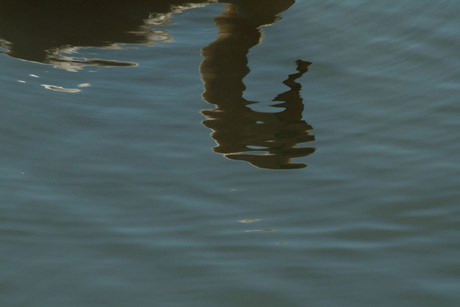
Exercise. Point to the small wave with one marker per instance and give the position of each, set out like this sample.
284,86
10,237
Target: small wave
60,88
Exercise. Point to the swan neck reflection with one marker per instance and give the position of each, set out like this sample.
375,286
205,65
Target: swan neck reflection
264,139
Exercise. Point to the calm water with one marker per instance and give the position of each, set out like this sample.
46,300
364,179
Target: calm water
156,154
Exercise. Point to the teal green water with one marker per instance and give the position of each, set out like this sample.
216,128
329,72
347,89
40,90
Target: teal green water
160,153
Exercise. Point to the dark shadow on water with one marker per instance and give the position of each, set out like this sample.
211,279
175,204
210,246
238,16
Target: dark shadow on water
49,31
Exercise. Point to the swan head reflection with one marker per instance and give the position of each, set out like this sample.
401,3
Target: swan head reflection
264,139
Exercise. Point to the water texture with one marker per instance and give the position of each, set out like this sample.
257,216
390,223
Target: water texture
239,153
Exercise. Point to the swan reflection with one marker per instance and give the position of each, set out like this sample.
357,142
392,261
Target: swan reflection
51,32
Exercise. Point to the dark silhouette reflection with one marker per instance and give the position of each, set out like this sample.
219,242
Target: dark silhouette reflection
264,139
49,32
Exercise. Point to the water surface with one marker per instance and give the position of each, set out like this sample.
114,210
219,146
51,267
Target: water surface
174,154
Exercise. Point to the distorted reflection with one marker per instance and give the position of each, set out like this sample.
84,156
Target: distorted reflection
264,139
53,31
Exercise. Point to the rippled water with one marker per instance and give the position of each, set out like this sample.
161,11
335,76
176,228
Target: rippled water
154,153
